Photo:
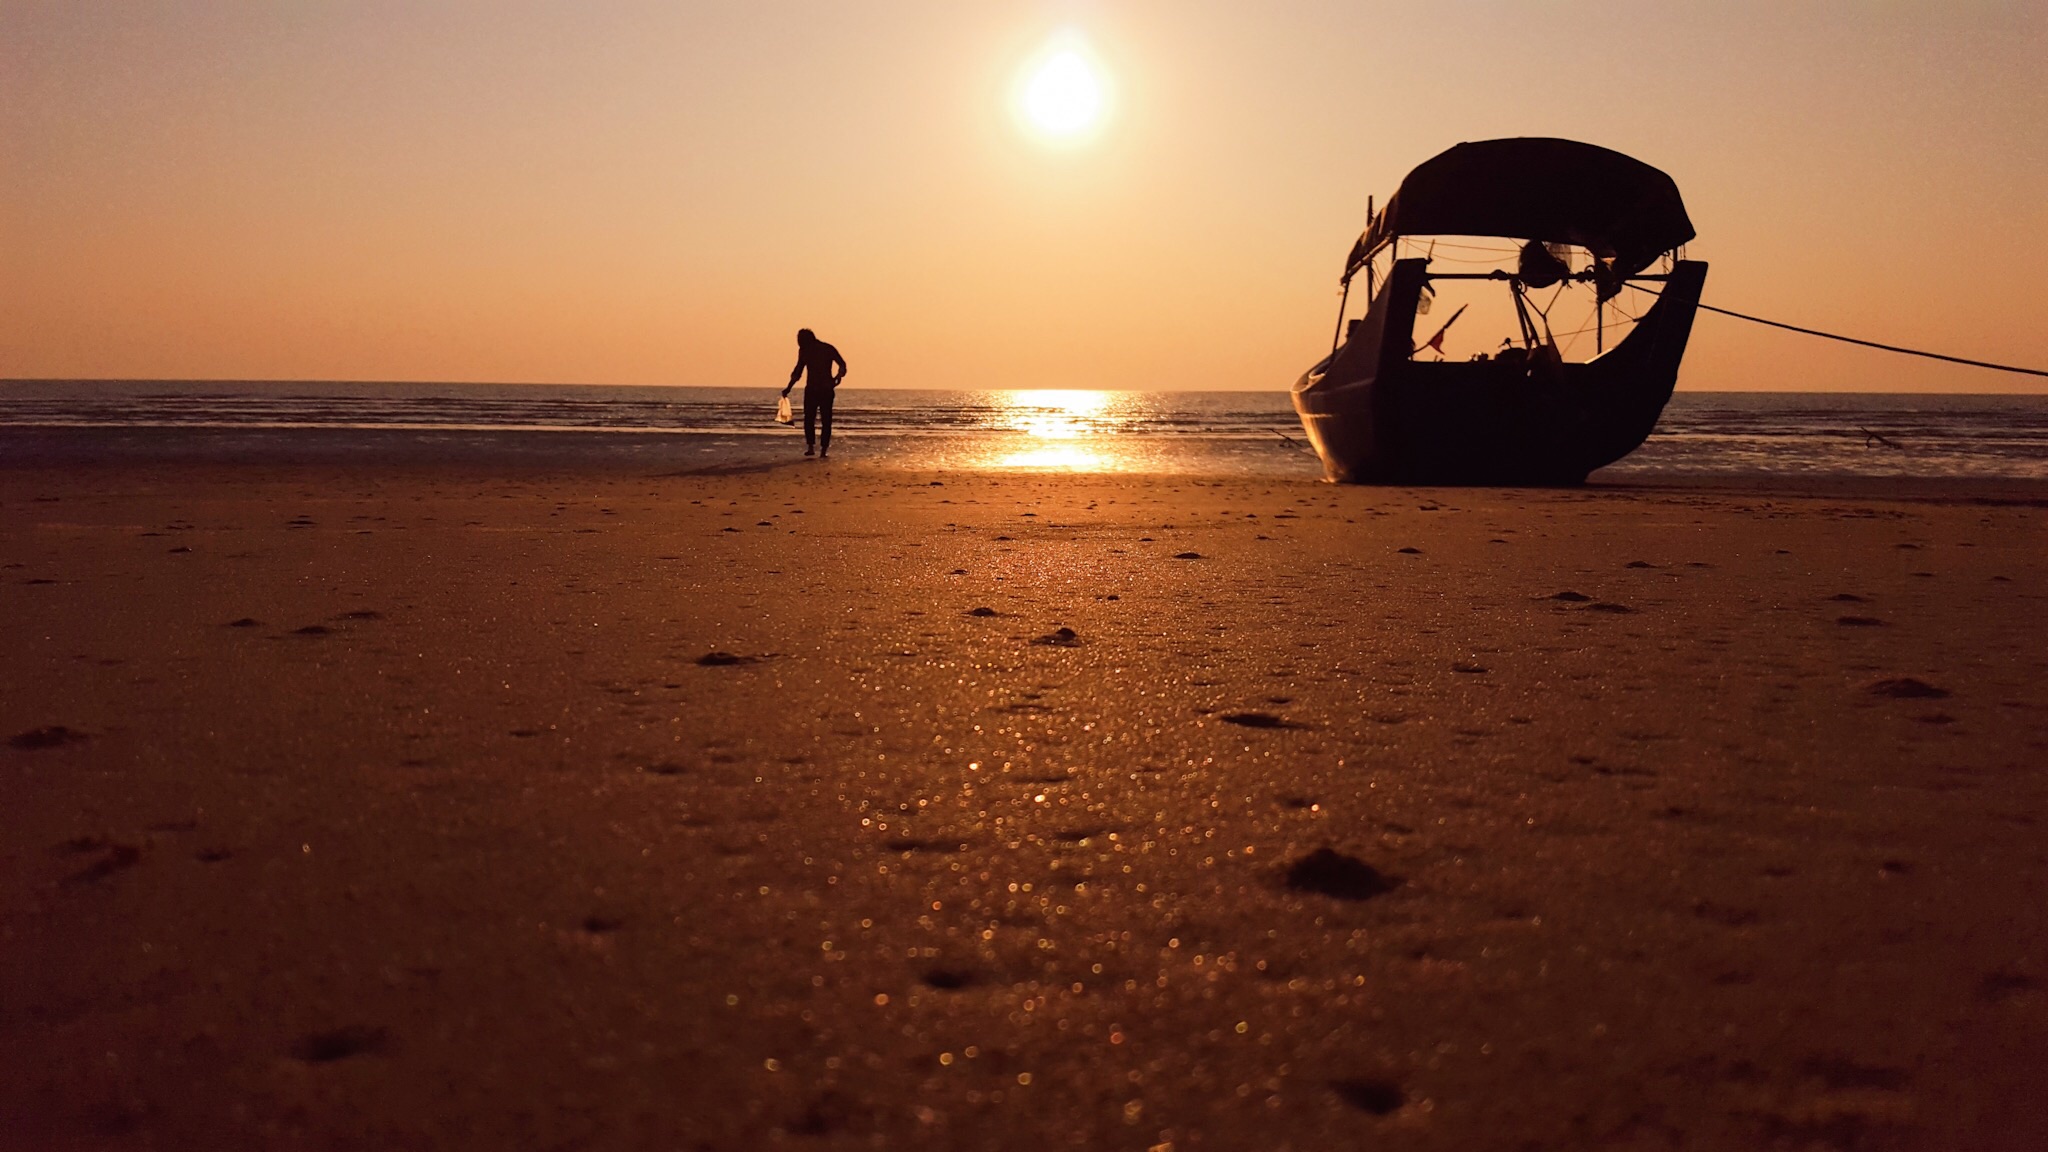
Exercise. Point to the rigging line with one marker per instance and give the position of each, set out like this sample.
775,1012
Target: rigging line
1864,343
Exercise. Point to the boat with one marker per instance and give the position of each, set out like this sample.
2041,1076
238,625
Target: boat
1380,410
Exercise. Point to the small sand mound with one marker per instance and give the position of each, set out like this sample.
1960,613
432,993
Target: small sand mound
1907,688
1330,873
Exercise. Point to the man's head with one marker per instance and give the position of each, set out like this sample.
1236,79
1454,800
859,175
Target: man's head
805,337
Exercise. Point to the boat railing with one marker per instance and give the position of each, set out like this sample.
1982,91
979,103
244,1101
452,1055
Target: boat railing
1503,274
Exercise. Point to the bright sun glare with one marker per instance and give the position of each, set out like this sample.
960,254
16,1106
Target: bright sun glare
1064,96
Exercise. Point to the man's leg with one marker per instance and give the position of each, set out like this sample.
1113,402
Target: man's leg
825,419
811,421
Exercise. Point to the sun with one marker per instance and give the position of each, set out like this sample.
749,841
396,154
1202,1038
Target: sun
1063,96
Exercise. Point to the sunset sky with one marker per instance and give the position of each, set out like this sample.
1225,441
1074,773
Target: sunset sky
661,193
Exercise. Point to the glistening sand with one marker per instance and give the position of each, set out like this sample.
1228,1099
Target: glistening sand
365,803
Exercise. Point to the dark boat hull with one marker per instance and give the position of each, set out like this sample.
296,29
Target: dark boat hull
1375,415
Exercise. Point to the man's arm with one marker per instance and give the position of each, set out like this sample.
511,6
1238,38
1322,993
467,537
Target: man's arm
840,362
793,374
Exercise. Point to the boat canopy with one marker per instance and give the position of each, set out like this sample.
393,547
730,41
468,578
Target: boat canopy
1535,188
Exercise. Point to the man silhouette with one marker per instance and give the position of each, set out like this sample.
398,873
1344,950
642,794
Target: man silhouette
827,368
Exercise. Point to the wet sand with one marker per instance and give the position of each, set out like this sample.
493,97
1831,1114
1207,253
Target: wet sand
361,803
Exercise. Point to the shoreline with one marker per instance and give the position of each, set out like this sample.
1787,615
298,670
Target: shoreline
632,449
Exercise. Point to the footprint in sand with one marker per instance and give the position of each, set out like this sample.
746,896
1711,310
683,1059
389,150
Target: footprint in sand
53,736
948,979
1859,621
1570,597
340,1044
1061,638
983,612
1257,720
1379,1097
118,857
1725,915
1187,555
1906,688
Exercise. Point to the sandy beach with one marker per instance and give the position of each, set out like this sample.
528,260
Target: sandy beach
589,802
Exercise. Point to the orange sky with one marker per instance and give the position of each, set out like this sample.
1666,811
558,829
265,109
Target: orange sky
660,193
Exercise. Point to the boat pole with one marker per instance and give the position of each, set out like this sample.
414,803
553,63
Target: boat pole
1343,302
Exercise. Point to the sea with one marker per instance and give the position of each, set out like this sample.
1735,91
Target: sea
1708,434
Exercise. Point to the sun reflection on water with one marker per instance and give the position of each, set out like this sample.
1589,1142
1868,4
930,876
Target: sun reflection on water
1059,414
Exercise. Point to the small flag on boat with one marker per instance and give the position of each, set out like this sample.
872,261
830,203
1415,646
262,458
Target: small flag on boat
1436,343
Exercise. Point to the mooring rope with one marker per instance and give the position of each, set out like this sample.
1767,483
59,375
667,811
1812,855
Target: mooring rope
1875,344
